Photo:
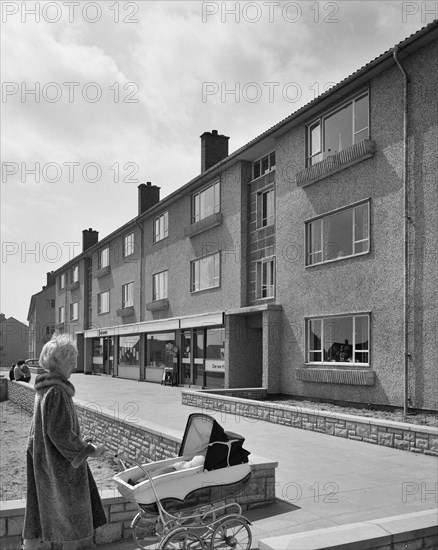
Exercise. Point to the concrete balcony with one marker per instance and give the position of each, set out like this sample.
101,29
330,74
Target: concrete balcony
157,305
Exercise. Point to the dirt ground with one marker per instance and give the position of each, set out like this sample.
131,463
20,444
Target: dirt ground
14,430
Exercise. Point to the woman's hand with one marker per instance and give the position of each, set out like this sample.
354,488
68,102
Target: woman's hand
99,450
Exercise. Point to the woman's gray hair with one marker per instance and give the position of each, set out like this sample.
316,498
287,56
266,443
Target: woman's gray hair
57,351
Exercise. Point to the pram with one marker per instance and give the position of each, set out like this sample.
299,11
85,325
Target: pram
182,500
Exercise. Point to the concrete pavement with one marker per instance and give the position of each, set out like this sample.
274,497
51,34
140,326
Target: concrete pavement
321,481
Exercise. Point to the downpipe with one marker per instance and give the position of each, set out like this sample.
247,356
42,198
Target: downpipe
407,355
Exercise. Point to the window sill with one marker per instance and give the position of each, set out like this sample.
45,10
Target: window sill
203,225
103,271
157,305
204,289
362,376
73,286
335,163
125,311
338,259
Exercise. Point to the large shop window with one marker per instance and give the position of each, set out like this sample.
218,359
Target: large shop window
341,340
338,235
206,202
339,129
215,358
161,350
129,351
205,273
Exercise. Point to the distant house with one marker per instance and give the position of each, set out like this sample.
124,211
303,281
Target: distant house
14,338
41,317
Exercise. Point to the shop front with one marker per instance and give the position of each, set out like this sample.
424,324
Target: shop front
191,348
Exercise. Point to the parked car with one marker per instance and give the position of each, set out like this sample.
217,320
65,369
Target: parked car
34,365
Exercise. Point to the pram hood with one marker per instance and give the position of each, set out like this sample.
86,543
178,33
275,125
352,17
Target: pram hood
204,435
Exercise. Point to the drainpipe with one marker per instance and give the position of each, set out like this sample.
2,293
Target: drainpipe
141,269
407,355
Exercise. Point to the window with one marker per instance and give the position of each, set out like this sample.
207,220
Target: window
61,314
263,166
206,202
265,208
342,339
338,130
334,236
129,350
127,295
161,350
50,303
61,281
161,227
159,283
128,245
103,258
74,274
266,279
103,302
205,273
74,311
50,329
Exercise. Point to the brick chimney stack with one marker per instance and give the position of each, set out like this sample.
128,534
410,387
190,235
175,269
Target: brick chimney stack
214,148
148,196
51,279
89,238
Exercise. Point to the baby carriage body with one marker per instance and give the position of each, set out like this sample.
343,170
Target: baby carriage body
179,495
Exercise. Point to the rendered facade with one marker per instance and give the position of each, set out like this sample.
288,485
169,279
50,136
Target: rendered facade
304,262
41,317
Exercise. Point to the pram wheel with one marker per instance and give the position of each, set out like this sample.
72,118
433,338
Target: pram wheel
232,532
145,534
182,539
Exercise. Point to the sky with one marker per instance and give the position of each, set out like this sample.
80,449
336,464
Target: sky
98,97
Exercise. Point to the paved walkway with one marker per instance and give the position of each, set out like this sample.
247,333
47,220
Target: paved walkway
322,481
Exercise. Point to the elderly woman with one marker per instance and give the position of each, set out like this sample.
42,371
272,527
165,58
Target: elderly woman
63,503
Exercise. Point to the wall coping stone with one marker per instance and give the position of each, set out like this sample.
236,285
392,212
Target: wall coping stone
430,430
357,536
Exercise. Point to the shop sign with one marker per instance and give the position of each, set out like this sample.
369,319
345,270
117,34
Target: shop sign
214,365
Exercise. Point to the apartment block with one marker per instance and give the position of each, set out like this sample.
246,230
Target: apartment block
42,317
304,262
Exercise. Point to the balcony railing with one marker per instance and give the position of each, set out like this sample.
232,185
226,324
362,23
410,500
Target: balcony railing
337,162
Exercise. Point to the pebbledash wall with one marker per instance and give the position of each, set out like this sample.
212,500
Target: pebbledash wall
136,442
241,402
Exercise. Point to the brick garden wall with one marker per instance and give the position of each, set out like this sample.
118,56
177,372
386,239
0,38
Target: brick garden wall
406,437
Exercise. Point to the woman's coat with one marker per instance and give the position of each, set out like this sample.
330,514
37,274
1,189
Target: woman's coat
63,502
